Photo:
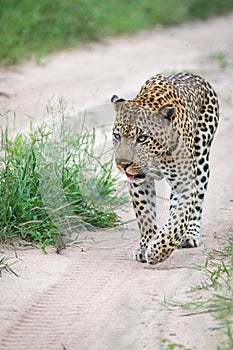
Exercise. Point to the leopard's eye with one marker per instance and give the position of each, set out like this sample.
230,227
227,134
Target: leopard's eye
116,136
141,138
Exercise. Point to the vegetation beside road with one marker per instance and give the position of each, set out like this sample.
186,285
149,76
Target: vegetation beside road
36,28
54,185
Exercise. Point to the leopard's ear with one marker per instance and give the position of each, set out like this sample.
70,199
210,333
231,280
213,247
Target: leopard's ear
117,102
167,111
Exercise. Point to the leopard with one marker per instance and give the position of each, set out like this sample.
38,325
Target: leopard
166,132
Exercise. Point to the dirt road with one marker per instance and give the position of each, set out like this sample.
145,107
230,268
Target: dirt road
98,298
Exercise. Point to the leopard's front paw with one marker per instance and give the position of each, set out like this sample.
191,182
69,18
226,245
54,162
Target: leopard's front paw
151,256
156,254
139,255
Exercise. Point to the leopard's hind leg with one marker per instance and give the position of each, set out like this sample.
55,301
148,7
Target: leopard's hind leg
205,131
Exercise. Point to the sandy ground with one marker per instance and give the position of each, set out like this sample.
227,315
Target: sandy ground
98,298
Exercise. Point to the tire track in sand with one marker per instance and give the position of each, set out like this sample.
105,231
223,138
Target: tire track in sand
104,301
62,313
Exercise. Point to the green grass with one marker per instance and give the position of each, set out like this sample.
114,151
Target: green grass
218,270
36,28
5,264
53,185
218,285
166,344
221,59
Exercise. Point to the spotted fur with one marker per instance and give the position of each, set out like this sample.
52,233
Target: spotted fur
166,132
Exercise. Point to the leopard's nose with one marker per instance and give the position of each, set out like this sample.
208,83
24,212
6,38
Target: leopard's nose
123,163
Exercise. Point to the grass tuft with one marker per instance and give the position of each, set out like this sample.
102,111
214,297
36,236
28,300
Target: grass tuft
166,344
53,185
221,59
5,265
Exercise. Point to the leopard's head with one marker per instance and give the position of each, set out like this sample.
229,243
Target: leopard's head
141,137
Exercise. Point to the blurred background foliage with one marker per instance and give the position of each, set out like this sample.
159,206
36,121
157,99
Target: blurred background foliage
35,28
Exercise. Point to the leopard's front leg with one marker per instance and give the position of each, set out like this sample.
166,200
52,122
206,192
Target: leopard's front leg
144,203
169,237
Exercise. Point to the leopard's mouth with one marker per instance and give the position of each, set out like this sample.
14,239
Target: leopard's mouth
137,176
